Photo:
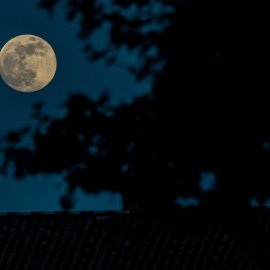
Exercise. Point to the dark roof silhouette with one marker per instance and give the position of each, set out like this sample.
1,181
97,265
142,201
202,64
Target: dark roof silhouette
130,240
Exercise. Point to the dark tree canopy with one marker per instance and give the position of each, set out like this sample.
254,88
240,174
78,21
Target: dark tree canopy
207,110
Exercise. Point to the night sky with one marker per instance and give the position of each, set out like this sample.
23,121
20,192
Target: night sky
74,74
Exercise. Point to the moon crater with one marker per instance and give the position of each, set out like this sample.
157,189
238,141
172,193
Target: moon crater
27,63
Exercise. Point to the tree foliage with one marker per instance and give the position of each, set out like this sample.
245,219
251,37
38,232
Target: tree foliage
207,110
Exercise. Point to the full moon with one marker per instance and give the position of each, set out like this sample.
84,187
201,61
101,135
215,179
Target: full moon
27,63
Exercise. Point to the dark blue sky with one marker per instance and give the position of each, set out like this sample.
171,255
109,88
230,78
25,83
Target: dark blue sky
74,74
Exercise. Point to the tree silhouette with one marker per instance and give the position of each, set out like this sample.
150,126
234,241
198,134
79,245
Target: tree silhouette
206,111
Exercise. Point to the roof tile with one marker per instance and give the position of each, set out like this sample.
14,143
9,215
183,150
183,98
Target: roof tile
126,240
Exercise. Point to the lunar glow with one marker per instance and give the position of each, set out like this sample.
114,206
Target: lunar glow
27,63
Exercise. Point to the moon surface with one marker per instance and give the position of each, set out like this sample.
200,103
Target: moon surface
27,63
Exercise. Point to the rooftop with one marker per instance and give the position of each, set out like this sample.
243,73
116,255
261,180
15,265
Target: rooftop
130,240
